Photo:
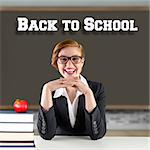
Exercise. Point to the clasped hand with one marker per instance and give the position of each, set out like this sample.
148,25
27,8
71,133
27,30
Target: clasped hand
68,82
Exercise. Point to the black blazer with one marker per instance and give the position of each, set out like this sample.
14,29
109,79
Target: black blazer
56,121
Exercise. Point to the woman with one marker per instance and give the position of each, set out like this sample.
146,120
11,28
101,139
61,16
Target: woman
71,105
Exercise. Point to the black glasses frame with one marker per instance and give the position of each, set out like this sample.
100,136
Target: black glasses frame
69,58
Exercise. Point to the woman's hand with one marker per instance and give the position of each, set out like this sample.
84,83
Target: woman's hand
58,83
90,102
76,82
48,88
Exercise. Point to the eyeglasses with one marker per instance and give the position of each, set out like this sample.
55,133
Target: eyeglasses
65,59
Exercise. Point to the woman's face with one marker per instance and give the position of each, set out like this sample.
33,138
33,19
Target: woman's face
70,62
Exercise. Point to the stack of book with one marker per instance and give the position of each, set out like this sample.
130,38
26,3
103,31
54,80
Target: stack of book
16,130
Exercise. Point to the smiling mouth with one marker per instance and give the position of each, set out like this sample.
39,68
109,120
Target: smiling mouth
70,71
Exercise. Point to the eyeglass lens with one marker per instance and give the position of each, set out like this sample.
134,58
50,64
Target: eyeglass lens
65,59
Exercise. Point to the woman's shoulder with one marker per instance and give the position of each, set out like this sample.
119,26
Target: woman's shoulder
96,87
94,84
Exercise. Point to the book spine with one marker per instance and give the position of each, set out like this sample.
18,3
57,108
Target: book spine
16,127
17,144
16,118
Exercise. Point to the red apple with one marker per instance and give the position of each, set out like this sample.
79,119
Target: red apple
20,105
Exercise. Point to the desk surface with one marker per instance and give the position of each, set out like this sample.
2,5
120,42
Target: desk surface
81,143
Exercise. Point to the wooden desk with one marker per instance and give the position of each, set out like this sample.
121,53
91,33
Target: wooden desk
84,143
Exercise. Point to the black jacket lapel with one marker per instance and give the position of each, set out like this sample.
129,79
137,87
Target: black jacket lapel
80,121
61,112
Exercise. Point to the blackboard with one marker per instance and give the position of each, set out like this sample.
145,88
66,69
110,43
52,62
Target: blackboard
120,60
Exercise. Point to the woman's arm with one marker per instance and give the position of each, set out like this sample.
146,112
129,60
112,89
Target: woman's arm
95,119
94,108
90,102
47,123
46,118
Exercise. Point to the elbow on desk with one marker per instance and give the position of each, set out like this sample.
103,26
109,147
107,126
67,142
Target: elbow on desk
46,136
98,136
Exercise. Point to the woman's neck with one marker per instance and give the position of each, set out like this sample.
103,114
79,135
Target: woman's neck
71,91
